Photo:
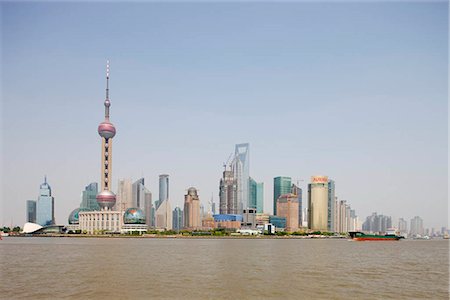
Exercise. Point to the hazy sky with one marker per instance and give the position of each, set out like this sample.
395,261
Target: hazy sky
355,91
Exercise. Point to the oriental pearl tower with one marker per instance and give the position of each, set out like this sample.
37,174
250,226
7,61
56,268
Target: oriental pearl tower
106,199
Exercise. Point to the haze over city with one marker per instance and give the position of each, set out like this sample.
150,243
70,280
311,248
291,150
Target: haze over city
354,91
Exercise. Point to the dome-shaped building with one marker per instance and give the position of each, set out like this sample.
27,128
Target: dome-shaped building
73,217
134,216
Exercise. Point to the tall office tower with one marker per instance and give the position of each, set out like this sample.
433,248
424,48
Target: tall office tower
281,186
31,211
402,226
228,194
377,223
287,207
260,197
177,219
89,197
148,207
256,197
192,219
331,203
318,203
163,215
241,170
138,194
416,227
106,198
298,192
163,188
45,206
124,195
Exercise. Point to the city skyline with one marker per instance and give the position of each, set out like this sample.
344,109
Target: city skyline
374,159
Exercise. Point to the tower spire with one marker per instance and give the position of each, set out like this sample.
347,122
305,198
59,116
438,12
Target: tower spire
107,102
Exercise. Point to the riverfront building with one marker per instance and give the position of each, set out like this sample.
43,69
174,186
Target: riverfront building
89,197
45,206
377,223
287,207
163,216
416,228
163,188
228,221
228,194
241,170
281,186
31,211
256,195
177,219
124,195
298,192
192,218
318,203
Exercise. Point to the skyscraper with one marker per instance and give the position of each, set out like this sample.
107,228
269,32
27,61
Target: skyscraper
163,188
192,219
138,194
148,207
318,203
106,198
377,223
124,195
45,206
402,226
287,207
89,197
281,186
241,170
298,192
256,198
31,211
228,194
163,216
260,197
416,228
331,203
177,219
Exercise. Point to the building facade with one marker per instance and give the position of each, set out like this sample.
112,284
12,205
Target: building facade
318,203
89,197
31,211
192,213
287,207
299,193
163,216
124,195
163,188
377,223
281,186
45,205
241,170
416,228
228,194
177,219
331,204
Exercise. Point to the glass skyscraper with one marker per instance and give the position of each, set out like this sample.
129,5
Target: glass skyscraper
138,194
45,206
256,199
31,211
241,170
89,195
298,192
163,189
281,185
177,219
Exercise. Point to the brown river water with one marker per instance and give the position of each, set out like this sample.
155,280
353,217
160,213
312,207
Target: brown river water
151,268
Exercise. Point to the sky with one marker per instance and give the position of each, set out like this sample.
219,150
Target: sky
352,90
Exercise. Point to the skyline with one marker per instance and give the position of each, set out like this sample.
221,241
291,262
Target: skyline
187,106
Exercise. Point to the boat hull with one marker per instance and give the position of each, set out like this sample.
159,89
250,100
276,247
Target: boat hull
360,236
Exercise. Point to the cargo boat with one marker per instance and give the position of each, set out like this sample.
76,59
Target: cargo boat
361,236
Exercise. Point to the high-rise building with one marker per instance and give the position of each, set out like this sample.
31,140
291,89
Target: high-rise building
331,203
228,194
402,226
287,207
249,218
148,207
377,223
89,197
138,194
241,170
318,203
256,198
163,188
298,192
346,219
416,228
177,219
260,197
163,216
45,206
31,211
192,218
106,198
281,186
124,195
